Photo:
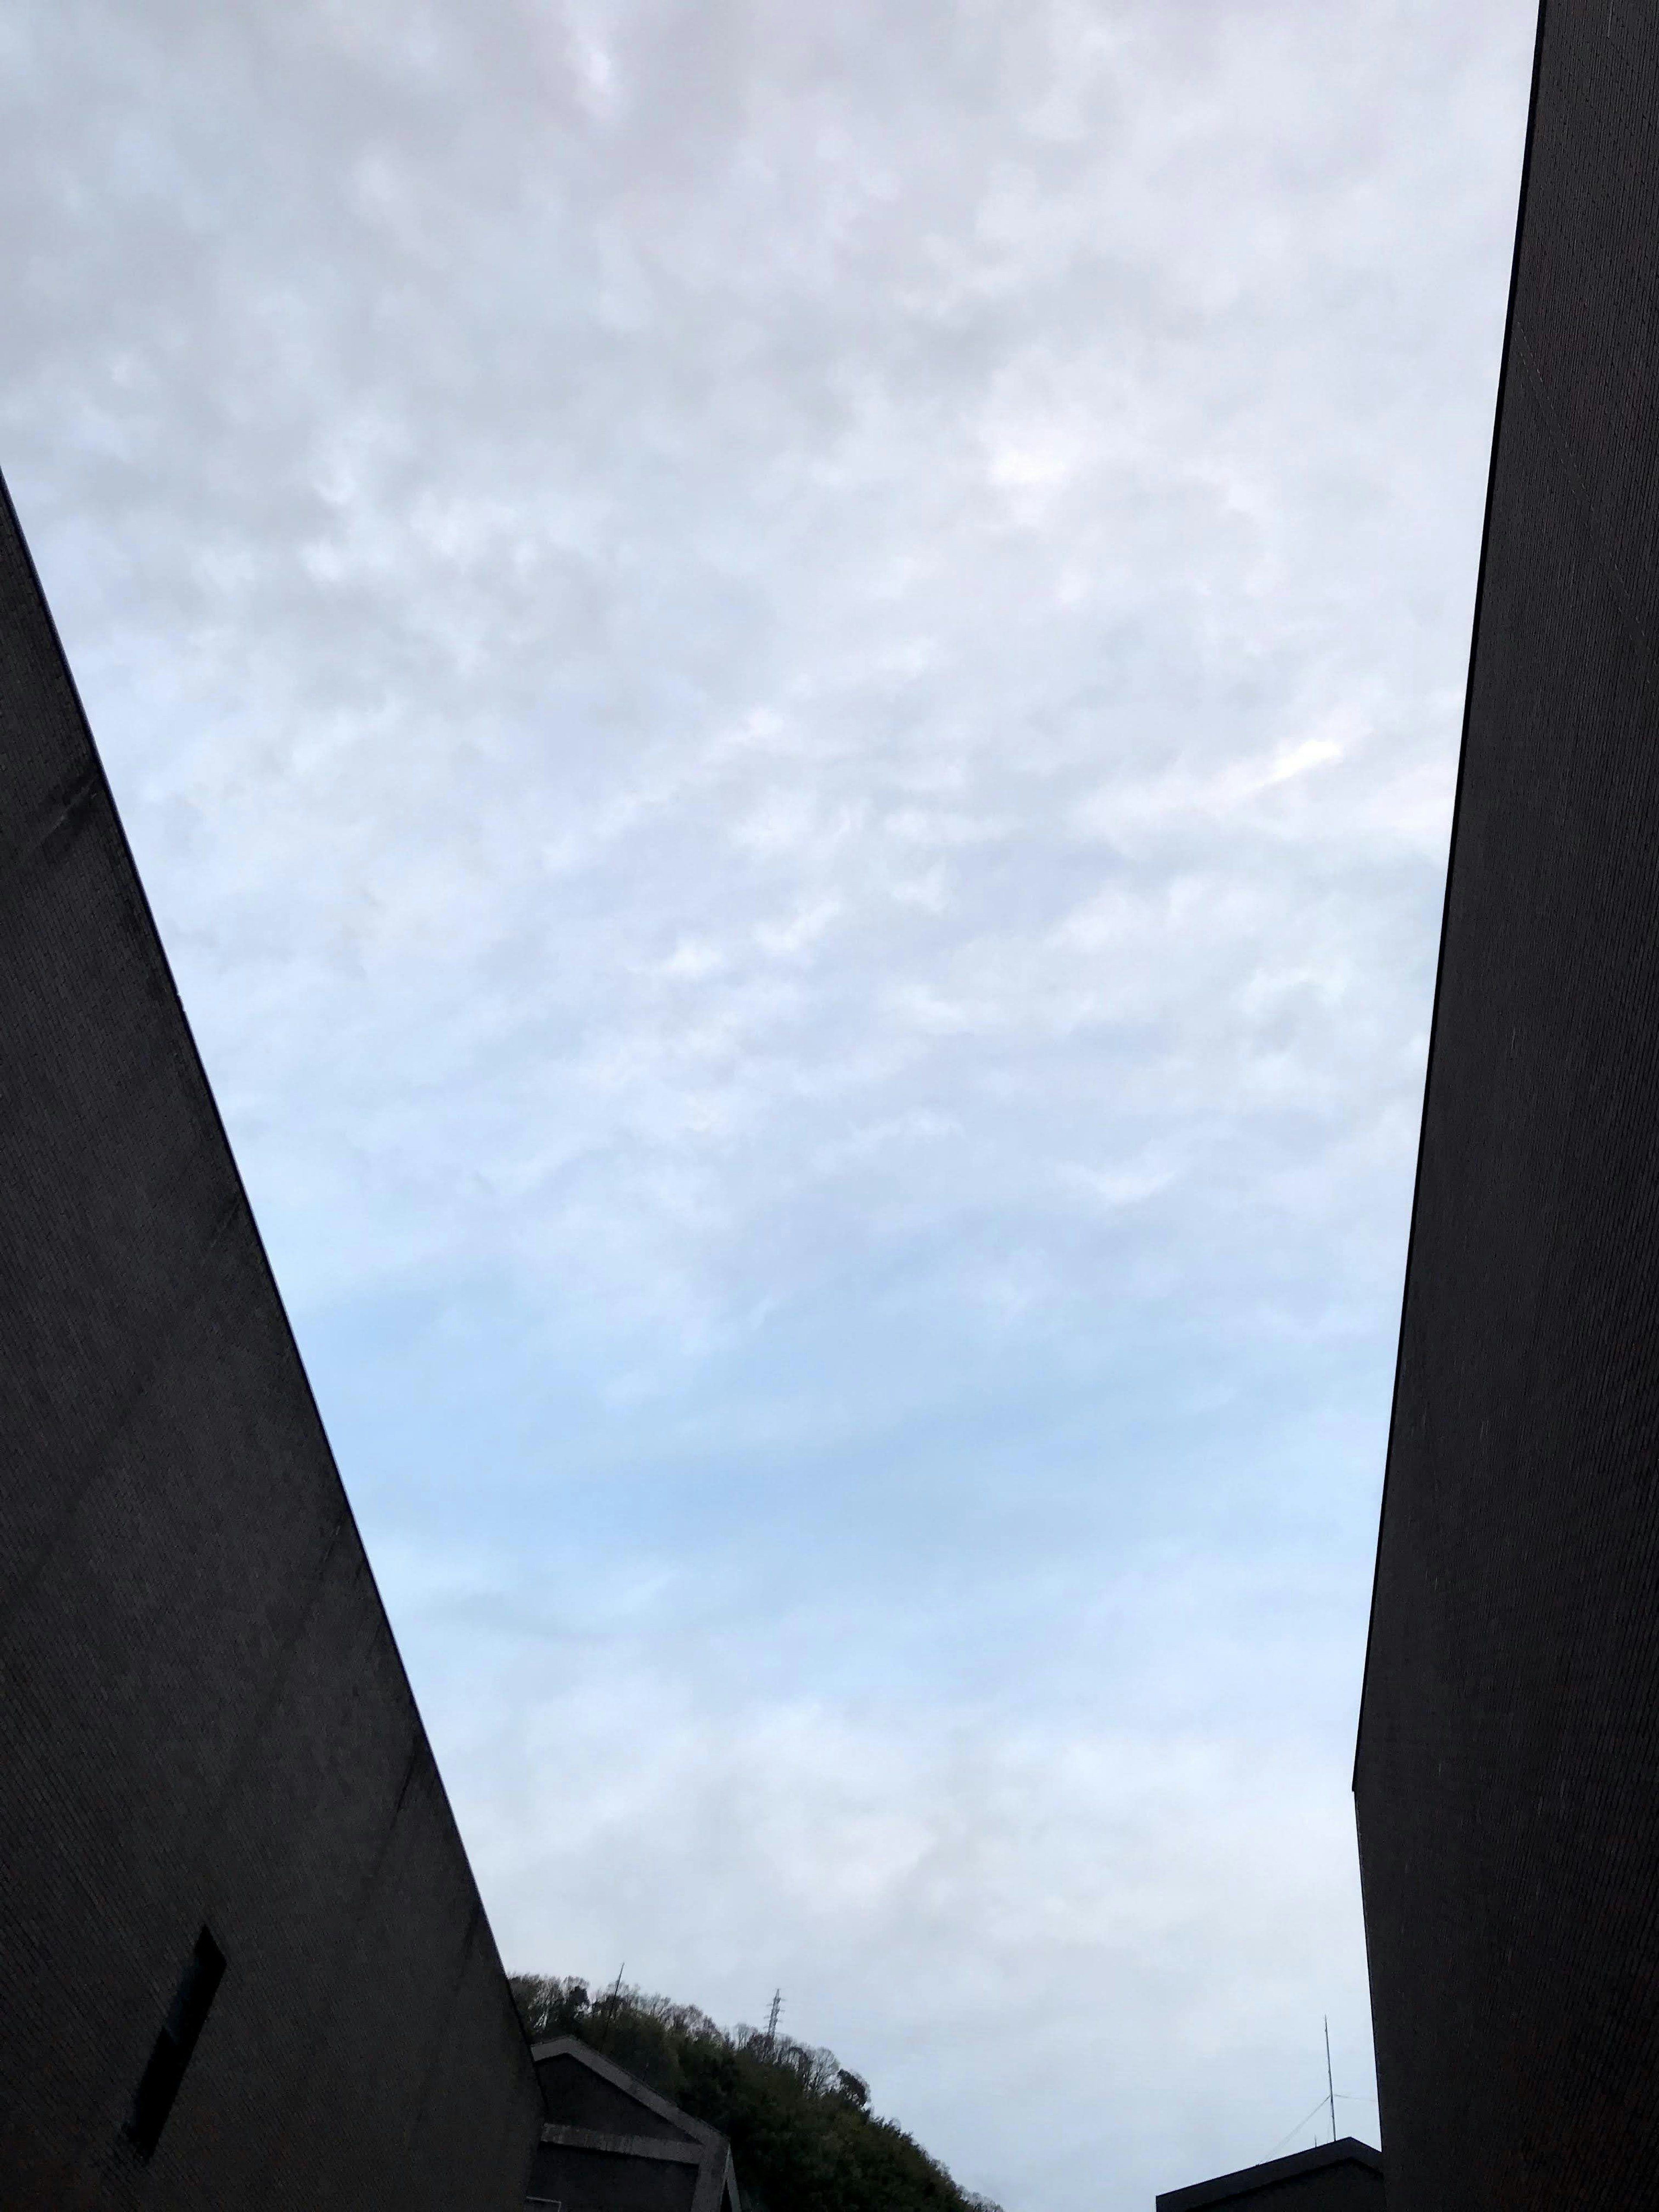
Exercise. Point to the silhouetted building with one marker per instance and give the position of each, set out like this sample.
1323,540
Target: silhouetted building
1508,1766
244,1963
1344,2176
609,2144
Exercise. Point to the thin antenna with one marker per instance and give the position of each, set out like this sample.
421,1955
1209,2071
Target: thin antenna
615,1998
1330,2086
772,2019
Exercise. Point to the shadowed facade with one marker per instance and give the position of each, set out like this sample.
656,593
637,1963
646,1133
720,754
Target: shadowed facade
609,2144
1507,1776
245,1961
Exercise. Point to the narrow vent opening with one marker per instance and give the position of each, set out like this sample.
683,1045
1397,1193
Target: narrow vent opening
198,1986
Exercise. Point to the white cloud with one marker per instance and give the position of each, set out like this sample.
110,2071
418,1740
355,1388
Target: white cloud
980,1912
788,681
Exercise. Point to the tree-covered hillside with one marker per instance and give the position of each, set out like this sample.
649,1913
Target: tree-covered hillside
800,2127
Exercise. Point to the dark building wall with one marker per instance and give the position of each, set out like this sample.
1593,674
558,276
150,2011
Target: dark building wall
1338,2189
203,1720
575,2094
609,2181
1508,1768
610,2144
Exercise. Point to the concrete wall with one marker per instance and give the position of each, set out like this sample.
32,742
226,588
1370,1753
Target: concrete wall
574,2092
588,2180
1508,1769
613,2145
203,1720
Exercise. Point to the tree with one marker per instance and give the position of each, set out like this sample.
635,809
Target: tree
799,2124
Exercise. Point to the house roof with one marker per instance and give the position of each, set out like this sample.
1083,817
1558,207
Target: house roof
1240,2187
661,2133
679,2123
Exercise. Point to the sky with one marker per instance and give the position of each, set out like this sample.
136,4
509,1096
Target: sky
787,683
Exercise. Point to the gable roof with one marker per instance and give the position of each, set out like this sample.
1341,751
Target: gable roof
616,2077
637,2125
1240,2187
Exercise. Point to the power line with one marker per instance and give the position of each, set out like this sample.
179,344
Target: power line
1289,2132
1332,2096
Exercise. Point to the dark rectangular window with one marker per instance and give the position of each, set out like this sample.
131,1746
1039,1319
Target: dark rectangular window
198,1986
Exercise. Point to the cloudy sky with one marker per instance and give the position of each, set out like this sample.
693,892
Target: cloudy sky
788,682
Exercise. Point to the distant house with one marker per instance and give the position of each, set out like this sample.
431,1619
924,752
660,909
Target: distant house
609,2144
1336,2177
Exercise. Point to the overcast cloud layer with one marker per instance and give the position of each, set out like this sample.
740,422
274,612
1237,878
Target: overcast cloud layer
788,682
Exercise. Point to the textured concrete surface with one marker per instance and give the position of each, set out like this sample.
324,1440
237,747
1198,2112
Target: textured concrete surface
1508,1768
204,1720
610,2144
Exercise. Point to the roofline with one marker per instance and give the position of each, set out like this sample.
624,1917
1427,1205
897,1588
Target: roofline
571,2046
1348,2150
